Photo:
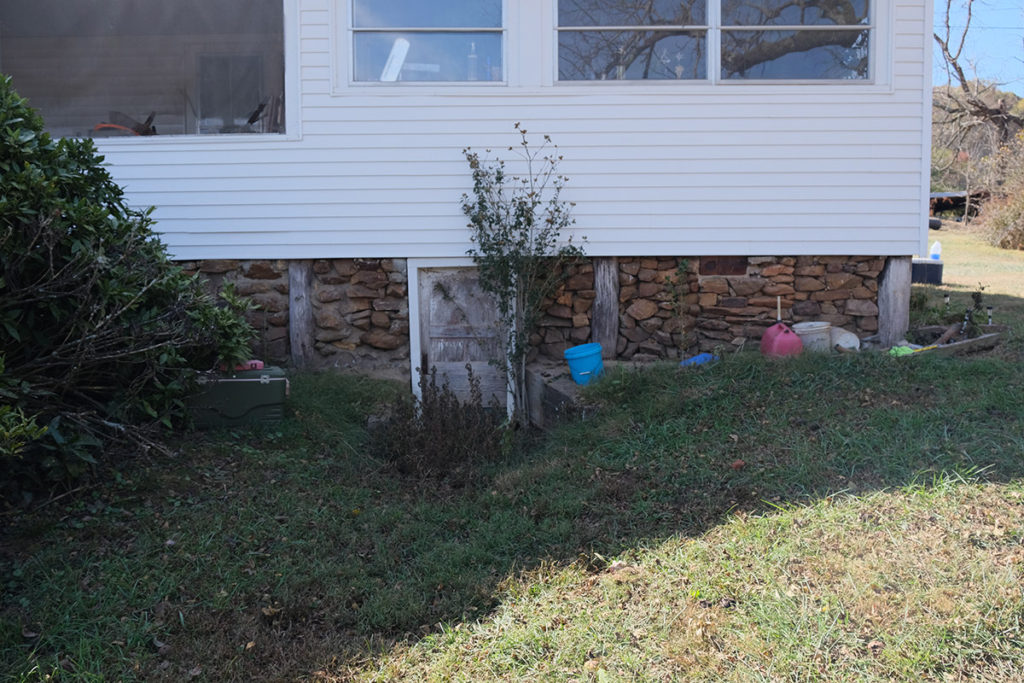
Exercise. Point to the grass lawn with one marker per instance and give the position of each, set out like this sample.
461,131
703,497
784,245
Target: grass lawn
833,518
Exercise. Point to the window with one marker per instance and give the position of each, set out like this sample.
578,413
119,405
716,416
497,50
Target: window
413,40
148,67
795,39
673,39
632,39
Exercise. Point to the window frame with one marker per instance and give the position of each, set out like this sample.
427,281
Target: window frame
348,47
205,141
879,69
531,64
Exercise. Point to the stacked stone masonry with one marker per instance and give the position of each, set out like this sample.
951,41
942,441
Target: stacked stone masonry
672,307
668,307
360,309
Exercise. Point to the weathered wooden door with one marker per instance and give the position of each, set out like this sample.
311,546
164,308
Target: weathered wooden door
458,325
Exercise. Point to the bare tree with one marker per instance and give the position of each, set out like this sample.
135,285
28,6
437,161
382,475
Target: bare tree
968,102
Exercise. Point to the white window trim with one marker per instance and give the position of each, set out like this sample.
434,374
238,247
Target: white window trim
206,141
531,66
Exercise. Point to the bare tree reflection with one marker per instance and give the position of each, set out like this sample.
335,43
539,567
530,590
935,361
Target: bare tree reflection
660,39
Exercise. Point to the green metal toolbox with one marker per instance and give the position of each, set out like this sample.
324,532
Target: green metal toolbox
240,397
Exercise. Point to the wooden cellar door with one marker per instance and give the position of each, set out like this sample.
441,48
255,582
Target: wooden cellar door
458,325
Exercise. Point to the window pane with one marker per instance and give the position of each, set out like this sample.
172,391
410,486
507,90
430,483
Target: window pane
632,12
426,14
631,55
795,54
794,12
143,67
436,56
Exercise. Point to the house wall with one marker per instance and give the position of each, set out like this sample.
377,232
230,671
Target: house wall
667,307
657,169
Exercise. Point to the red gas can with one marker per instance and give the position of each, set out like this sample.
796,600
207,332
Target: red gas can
779,340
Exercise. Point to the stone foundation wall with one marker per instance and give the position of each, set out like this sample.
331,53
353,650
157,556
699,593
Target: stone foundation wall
674,306
668,307
360,310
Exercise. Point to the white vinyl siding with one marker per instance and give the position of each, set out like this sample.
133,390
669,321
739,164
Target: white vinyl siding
664,168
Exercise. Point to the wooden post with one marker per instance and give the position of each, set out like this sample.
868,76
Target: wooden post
894,300
604,317
300,312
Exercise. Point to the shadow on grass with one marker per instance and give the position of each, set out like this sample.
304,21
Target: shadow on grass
274,555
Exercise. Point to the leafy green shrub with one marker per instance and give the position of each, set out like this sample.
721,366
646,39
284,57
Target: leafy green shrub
516,224
438,435
99,328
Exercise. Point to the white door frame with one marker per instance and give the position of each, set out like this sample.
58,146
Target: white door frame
414,266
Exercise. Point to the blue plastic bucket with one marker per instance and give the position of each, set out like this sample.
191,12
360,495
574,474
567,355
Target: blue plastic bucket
584,362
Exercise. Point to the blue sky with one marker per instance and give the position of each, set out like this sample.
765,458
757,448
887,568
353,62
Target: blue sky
994,49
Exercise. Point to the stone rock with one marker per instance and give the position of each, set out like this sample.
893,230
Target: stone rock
758,260
397,290
808,284
641,309
774,289
367,263
262,270
399,326
553,336
331,335
381,339
374,279
559,311
551,321
706,300
328,319
842,281
580,320
716,285
732,302
626,293
837,295
636,334
868,324
861,307
806,308
580,334
647,275
745,286
248,288
712,324
649,289
815,270
218,265
345,267
652,348
582,305
320,266
581,281
650,325
362,292
629,267
776,269
648,262
626,279
380,319
330,293
388,304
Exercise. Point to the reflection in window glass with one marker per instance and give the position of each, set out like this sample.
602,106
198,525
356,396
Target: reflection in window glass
839,55
794,12
632,40
436,56
420,14
631,13
411,40
148,67
630,55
